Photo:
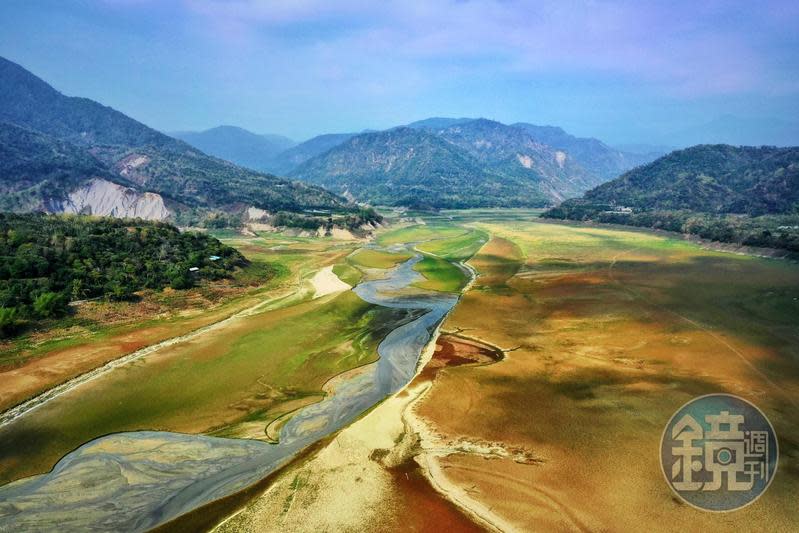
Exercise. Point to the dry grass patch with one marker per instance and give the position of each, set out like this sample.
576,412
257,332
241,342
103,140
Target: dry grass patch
610,332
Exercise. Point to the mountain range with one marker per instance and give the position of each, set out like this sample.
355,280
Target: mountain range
237,145
482,162
443,162
70,154
737,194
409,167
288,160
710,179
63,153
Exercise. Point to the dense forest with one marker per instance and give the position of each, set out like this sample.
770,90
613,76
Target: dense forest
353,220
46,261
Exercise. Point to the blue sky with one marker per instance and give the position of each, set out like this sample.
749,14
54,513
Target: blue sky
624,71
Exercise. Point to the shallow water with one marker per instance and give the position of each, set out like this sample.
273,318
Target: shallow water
134,481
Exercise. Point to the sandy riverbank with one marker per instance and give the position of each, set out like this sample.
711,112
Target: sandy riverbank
375,469
326,282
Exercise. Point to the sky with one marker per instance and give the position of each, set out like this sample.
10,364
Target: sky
622,71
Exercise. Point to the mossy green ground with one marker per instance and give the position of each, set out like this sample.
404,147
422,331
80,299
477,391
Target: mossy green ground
442,244
243,373
348,273
369,258
419,233
459,248
440,275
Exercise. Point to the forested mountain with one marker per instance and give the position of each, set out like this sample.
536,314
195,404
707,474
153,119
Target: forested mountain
514,165
238,145
133,154
35,166
590,153
564,165
743,194
514,153
711,178
411,167
286,161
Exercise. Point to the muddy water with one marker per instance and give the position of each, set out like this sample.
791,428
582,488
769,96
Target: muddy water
138,480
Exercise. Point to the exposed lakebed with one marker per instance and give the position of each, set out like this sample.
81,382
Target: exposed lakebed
138,480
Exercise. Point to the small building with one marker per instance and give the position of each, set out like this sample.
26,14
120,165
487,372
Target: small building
194,269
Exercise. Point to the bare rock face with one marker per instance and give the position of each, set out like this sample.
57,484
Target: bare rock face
254,213
104,198
131,166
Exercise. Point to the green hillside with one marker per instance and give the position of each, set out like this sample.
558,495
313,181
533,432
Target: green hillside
410,167
48,260
744,195
135,153
711,178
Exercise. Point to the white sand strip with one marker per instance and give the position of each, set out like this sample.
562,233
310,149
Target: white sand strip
326,282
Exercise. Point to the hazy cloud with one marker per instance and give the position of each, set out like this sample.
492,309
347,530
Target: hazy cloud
303,66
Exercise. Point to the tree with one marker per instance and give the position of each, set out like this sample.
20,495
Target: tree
49,304
179,278
8,321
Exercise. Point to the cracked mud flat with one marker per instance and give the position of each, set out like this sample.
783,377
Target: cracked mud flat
138,480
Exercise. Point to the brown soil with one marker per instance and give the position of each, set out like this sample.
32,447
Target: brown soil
598,359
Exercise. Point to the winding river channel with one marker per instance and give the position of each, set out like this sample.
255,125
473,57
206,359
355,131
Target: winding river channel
135,481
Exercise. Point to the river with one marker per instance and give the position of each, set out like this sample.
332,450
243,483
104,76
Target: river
134,481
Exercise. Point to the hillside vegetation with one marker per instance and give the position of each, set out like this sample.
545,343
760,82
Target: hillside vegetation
711,179
48,260
744,195
442,162
35,166
126,152
409,167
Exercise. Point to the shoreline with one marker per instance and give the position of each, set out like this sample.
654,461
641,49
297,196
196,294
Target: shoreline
707,244
21,409
360,447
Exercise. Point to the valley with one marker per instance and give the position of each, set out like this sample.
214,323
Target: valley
441,266
438,266
544,398
306,358
568,348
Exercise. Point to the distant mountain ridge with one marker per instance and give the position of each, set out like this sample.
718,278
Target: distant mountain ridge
125,152
510,161
238,145
598,161
711,179
411,167
593,154
289,159
745,195
434,123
